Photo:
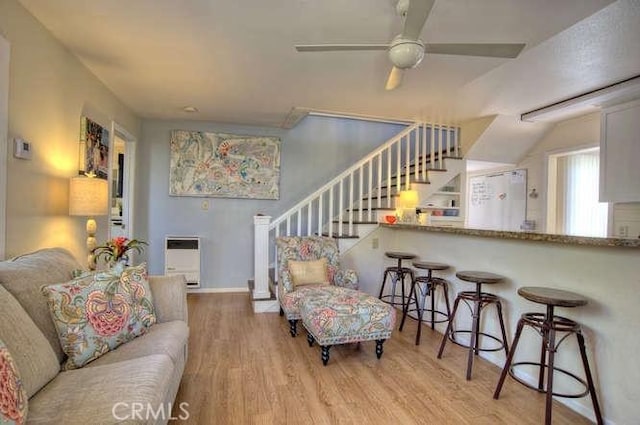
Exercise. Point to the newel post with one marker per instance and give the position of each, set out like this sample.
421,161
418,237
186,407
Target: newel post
261,256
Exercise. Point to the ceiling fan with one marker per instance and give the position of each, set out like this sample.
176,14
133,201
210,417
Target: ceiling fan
407,50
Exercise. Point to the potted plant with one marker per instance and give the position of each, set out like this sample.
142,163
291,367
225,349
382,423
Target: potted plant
116,251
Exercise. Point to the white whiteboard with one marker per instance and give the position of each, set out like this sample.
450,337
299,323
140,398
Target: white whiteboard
498,201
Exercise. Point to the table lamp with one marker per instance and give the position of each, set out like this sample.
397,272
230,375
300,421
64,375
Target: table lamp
408,202
89,197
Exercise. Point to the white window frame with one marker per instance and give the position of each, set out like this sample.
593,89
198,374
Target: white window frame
550,173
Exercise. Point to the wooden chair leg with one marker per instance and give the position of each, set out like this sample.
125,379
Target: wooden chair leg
379,350
325,354
293,325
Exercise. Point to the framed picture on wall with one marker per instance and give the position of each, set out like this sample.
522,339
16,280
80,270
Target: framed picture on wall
224,165
94,149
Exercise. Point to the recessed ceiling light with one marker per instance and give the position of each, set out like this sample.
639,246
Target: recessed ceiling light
190,109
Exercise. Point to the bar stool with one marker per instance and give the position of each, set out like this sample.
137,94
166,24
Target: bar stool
427,285
547,325
479,300
397,274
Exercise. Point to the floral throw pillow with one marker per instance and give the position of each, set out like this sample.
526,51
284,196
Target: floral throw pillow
13,397
137,279
97,313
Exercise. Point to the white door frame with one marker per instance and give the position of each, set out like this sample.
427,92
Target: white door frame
4,135
128,189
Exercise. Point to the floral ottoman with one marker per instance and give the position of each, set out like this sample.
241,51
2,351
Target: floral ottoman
335,315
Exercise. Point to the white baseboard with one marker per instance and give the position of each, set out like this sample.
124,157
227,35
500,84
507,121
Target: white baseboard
266,306
216,290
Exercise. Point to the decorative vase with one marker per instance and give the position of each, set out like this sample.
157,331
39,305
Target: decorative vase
119,264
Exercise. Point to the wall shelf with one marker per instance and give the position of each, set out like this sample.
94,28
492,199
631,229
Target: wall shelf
441,192
435,207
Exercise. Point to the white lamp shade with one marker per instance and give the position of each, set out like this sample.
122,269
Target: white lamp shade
409,199
88,196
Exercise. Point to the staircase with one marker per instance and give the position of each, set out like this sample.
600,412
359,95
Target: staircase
423,157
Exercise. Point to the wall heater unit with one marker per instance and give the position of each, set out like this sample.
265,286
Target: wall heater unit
182,256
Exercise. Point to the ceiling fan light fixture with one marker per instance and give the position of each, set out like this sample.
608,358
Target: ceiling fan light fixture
406,54
402,7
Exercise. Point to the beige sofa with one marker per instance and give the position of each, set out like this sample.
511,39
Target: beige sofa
135,384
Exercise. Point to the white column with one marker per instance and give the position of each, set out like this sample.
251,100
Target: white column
261,256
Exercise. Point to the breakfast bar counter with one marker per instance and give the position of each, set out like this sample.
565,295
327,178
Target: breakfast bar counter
604,271
525,236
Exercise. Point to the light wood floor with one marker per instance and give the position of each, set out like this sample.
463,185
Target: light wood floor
246,369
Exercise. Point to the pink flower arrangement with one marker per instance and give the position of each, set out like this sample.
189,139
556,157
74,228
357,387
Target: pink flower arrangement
117,248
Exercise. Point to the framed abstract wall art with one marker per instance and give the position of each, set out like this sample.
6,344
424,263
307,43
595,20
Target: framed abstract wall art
224,165
94,149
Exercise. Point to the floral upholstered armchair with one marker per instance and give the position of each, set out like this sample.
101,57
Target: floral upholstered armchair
307,248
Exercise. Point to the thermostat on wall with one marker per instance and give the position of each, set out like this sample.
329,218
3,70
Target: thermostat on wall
21,148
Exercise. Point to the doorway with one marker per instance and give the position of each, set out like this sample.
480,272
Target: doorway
122,186
4,130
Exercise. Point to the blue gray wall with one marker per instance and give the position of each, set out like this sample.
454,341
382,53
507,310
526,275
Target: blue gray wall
312,153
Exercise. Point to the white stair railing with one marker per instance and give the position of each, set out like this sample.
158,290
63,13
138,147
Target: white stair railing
364,188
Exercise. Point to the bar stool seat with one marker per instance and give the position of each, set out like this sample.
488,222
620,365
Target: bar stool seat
479,277
397,274
547,324
427,285
476,301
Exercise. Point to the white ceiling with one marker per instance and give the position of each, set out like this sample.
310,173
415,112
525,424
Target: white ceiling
235,60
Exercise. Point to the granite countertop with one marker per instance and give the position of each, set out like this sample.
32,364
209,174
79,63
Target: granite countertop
525,236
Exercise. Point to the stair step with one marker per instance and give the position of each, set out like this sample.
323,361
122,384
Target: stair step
355,221
393,186
403,175
326,234
452,157
372,209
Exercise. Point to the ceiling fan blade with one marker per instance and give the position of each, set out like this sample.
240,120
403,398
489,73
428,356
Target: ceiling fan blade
339,47
494,50
416,17
395,78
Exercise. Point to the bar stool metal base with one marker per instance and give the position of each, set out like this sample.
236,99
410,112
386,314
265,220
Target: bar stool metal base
485,300
397,274
561,324
397,278
476,301
431,285
547,325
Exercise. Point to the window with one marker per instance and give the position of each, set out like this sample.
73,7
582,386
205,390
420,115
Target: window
573,206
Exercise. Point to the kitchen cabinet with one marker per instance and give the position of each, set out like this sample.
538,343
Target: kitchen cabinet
620,153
